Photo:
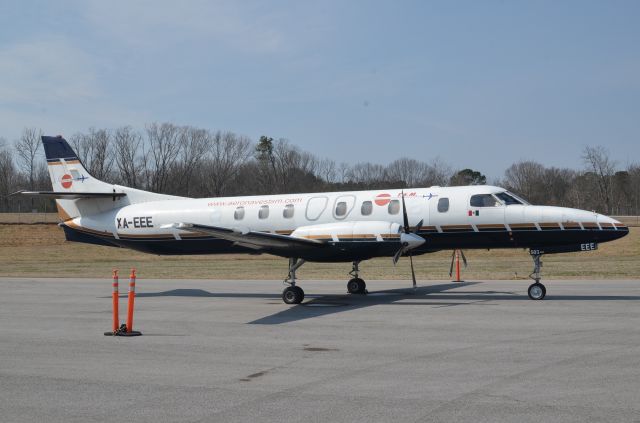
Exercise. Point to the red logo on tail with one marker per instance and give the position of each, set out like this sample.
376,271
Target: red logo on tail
66,181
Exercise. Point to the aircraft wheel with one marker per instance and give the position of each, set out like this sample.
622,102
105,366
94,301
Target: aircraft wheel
356,286
537,291
292,295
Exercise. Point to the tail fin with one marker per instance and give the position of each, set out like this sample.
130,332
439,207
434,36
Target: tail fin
77,193
67,172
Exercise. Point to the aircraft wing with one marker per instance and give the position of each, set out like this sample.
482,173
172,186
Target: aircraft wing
70,195
257,240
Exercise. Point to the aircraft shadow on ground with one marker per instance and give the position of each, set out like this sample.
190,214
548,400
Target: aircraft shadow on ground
441,295
202,293
330,304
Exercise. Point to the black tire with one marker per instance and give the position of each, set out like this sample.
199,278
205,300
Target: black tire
356,286
292,295
537,291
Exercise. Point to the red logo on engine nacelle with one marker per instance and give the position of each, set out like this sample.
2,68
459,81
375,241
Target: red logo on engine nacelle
66,181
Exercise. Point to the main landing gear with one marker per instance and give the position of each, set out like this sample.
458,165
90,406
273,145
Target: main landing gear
355,284
536,290
293,294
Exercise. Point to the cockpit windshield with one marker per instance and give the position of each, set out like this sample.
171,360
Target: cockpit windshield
509,199
484,200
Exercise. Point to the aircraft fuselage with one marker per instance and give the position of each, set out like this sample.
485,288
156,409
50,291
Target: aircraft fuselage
462,224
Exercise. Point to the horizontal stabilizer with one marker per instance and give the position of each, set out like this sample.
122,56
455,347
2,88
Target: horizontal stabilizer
70,195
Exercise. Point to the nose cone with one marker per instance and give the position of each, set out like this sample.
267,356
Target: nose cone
614,229
607,220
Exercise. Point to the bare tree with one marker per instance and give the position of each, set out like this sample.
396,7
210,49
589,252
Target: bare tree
196,162
409,171
127,143
555,187
437,173
344,170
27,150
327,171
634,182
414,173
94,150
227,154
103,159
294,169
282,167
368,174
194,145
602,169
7,178
80,146
622,192
164,148
525,178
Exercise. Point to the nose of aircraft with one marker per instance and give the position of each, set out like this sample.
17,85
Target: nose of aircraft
614,228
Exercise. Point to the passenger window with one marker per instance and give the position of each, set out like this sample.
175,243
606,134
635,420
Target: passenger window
287,213
264,212
239,213
367,208
394,207
341,208
484,200
443,205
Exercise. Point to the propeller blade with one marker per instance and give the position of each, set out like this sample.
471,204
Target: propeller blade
409,240
418,226
453,257
413,274
396,257
404,214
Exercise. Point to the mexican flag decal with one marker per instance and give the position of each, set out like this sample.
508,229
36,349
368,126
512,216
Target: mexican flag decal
474,213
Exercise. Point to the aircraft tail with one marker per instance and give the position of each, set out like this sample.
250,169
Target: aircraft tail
67,173
79,194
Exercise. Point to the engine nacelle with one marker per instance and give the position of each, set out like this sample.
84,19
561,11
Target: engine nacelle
344,231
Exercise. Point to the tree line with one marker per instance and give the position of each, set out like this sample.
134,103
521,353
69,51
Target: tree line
196,162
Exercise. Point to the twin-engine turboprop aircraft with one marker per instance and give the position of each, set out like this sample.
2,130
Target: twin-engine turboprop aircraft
328,227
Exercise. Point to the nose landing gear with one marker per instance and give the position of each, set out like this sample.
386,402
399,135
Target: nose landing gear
537,290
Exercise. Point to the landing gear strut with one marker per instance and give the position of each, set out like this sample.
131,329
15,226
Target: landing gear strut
355,284
536,290
293,294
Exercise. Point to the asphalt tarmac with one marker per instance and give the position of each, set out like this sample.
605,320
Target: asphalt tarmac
231,351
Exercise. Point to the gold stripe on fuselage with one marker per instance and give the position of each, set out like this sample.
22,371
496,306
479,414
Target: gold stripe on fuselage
523,226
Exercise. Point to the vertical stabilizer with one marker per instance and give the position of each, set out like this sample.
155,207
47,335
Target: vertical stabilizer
68,176
66,171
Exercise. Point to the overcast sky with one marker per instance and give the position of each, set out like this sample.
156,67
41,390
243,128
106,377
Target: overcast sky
479,84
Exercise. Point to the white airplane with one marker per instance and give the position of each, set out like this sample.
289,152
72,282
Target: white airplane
324,227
